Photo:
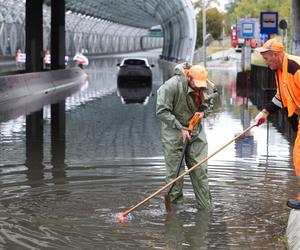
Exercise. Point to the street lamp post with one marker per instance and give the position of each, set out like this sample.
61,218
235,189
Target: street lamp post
204,31
223,37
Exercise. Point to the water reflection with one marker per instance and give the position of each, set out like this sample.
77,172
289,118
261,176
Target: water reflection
134,80
134,91
58,142
245,146
34,149
191,233
100,157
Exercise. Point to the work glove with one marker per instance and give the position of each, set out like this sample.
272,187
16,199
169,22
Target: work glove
260,118
185,135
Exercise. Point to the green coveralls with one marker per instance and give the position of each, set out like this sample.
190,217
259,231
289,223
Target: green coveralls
174,108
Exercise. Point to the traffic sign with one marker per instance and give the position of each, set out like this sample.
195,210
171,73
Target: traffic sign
247,28
269,22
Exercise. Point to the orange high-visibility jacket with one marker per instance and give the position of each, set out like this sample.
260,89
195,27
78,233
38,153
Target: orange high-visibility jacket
288,84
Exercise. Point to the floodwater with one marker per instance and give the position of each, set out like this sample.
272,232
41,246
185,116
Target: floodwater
68,197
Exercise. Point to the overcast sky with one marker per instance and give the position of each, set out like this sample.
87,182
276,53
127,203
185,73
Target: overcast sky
220,6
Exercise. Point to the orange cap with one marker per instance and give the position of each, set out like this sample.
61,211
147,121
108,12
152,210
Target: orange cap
199,75
271,45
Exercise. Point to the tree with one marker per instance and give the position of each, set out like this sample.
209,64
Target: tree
246,8
214,19
230,19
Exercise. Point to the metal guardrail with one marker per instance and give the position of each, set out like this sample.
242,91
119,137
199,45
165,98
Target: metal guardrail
263,77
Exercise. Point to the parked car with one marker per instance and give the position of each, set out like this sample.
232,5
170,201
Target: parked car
134,80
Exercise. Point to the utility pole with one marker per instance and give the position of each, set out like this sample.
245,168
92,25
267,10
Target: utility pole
295,6
223,37
204,31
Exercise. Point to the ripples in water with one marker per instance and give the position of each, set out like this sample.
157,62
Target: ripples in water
112,161
81,212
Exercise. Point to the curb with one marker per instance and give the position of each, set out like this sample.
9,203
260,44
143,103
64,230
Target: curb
293,230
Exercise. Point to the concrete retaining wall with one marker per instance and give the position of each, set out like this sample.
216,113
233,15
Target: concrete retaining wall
293,230
262,88
168,68
24,85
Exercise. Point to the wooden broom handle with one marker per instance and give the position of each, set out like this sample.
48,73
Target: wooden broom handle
186,172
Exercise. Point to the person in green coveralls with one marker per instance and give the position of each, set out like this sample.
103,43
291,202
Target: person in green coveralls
187,92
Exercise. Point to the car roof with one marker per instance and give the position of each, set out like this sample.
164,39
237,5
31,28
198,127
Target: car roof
135,59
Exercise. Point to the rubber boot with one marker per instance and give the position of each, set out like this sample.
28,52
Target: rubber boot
295,203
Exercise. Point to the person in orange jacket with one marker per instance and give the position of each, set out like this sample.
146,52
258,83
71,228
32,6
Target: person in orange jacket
20,59
287,69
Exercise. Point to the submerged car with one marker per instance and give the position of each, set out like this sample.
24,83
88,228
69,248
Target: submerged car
134,80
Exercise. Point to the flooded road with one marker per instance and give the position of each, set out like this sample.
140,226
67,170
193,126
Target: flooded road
112,159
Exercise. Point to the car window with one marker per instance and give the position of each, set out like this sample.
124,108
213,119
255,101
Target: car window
134,62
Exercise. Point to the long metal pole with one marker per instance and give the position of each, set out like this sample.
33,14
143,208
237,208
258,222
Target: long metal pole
295,6
223,37
204,31
34,35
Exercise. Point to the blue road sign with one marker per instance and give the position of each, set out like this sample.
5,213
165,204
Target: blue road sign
268,22
248,29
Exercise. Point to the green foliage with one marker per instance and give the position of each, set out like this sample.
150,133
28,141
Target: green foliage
246,8
238,9
214,19
198,3
214,22
229,8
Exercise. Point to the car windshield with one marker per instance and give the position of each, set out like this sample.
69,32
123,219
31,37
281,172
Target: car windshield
134,62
